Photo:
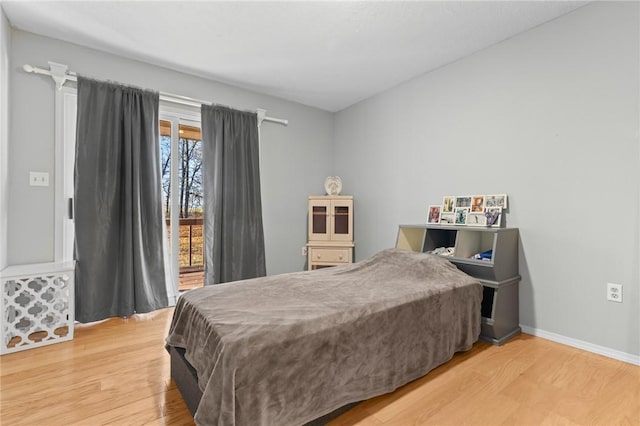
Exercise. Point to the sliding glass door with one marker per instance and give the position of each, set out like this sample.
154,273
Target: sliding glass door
181,167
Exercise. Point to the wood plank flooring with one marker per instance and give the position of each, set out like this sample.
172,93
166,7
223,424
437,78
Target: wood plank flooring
117,372
191,280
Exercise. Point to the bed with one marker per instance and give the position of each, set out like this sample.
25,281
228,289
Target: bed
292,348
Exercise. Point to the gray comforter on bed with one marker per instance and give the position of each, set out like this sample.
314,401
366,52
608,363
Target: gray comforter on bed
286,349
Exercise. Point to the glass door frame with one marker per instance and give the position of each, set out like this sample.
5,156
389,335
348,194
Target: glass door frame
66,101
176,114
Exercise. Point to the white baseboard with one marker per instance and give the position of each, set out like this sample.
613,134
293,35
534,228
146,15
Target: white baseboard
580,344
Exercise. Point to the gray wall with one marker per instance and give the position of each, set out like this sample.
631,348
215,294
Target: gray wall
549,117
296,158
5,48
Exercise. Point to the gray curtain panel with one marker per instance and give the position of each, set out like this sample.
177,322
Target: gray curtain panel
118,207
234,239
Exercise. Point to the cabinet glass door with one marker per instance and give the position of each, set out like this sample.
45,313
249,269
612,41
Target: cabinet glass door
320,219
320,213
342,221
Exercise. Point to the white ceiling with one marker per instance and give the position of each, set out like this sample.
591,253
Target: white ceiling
325,54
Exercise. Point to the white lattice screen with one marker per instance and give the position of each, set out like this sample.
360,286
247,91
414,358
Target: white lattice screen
37,306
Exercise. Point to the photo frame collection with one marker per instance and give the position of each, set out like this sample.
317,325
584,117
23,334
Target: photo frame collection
468,210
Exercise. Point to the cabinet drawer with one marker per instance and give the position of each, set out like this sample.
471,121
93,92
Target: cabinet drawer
330,255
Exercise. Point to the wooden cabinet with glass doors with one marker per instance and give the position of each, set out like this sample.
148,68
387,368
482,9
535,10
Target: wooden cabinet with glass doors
330,231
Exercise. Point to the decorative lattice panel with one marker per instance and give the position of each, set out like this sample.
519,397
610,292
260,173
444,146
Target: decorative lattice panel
37,310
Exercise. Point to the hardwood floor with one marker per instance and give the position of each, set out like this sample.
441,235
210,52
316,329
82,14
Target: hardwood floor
191,280
117,372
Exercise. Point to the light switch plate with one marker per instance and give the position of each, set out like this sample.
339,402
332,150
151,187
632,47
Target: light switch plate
38,178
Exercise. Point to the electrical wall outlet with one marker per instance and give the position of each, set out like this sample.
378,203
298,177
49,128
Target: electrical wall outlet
614,292
304,251
38,178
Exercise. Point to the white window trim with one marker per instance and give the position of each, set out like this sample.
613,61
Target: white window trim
64,158
176,113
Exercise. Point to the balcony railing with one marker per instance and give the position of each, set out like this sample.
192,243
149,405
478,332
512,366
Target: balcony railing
191,243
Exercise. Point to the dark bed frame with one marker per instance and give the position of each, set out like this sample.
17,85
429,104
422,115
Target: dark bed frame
186,379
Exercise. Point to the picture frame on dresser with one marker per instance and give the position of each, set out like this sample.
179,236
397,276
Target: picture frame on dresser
448,203
477,203
496,200
461,214
447,218
433,215
493,216
463,201
476,219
